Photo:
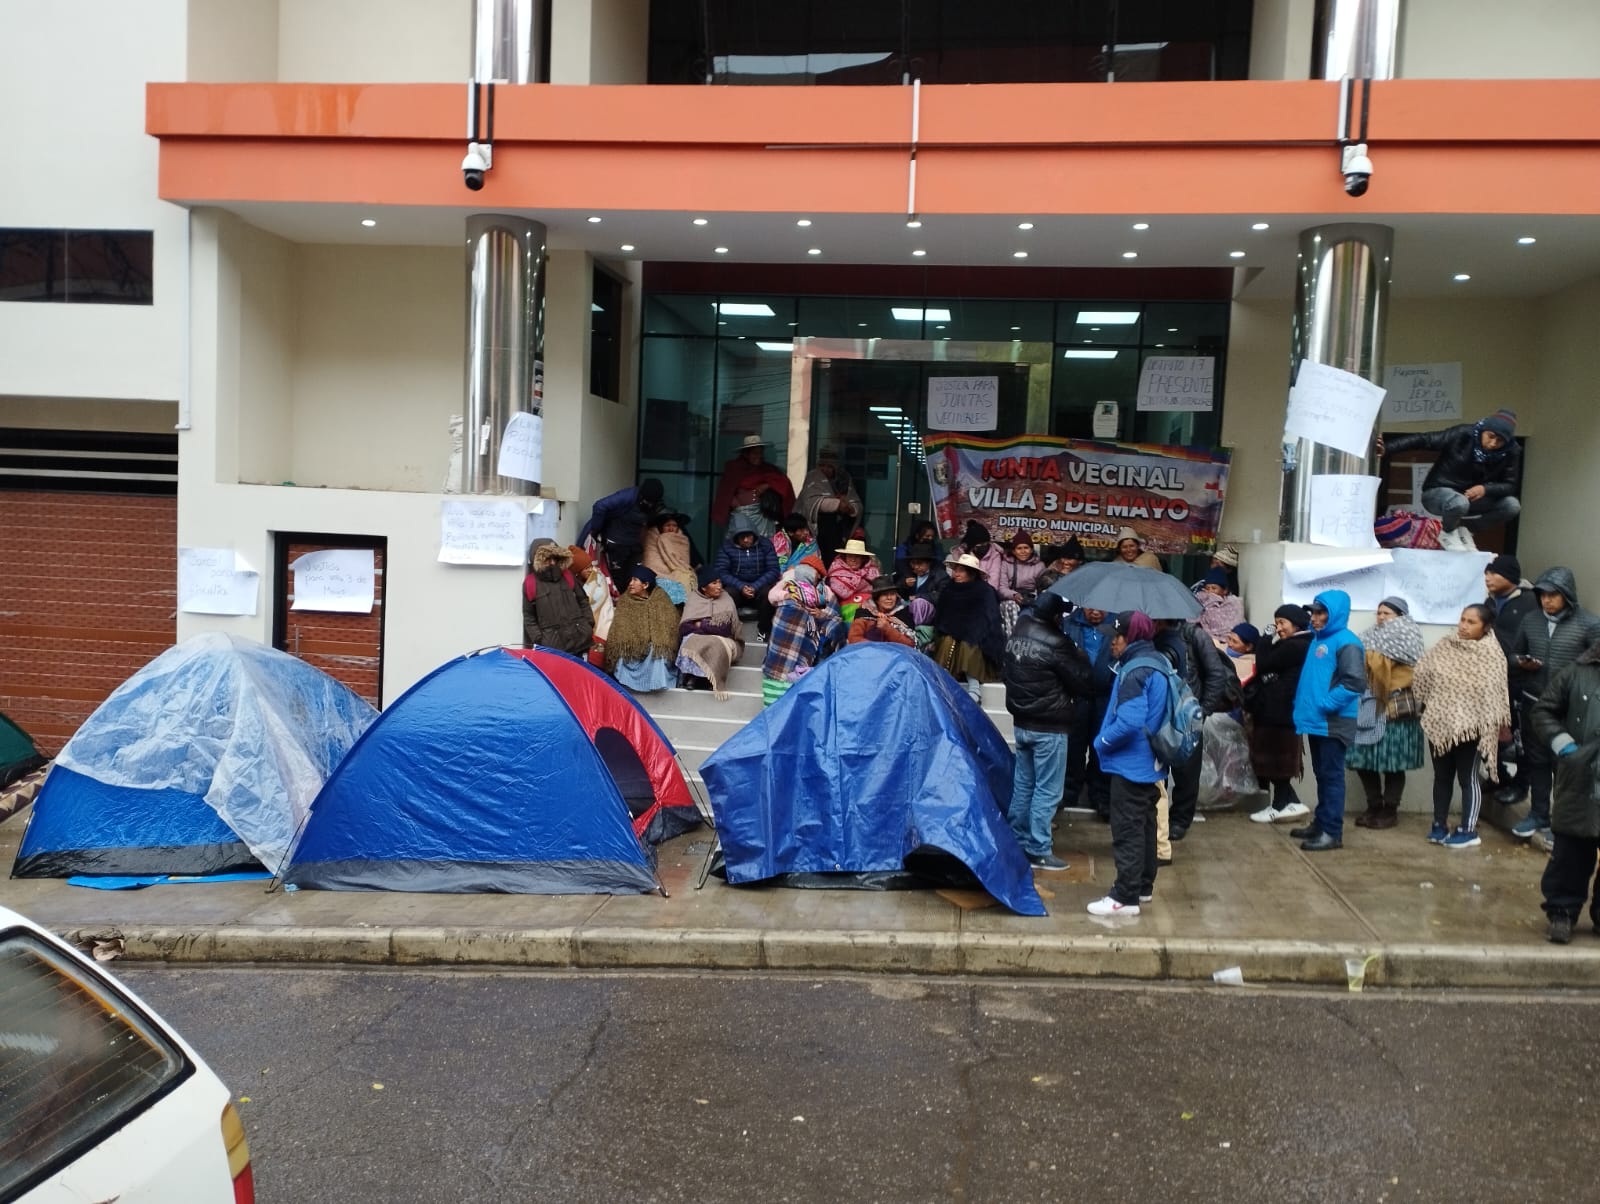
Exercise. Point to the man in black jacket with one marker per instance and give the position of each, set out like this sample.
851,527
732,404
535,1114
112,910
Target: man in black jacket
1206,671
1473,483
1509,603
1046,675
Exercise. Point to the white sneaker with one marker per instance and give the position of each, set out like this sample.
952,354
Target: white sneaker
1143,899
1110,907
1465,541
1271,815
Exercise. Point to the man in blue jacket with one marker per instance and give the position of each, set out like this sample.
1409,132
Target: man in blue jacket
748,568
1086,783
1325,705
618,522
1138,703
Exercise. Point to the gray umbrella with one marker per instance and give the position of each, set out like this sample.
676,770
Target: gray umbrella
1114,586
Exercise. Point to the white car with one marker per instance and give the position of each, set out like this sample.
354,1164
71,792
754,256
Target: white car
100,1100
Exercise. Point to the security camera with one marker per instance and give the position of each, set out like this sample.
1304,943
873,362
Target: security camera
480,157
1356,168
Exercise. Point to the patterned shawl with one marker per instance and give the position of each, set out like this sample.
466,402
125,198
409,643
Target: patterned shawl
642,627
1400,639
1462,686
847,583
800,638
667,555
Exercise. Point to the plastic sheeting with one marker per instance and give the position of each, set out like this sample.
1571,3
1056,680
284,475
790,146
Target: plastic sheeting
252,731
873,755
478,778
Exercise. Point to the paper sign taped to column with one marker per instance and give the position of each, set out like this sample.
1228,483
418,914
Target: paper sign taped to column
1363,577
963,403
1422,393
1342,509
1332,407
522,448
482,532
542,516
1176,382
215,581
1436,585
342,580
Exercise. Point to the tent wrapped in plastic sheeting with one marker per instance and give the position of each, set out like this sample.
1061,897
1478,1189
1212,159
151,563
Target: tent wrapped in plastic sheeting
870,763
218,743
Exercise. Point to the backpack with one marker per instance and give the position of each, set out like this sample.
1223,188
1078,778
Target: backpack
1177,737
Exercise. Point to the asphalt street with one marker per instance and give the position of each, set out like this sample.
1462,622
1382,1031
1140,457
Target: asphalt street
378,1085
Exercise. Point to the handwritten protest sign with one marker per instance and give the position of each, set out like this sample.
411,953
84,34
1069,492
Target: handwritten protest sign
542,517
1436,585
215,581
1422,393
1342,510
1364,578
522,448
1176,382
342,580
1332,407
482,532
963,403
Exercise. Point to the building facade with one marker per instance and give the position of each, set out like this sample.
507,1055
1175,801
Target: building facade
236,301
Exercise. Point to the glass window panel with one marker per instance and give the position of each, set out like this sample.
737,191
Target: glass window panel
605,336
675,420
1200,325
989,321
1099,323
109,267
1078,382
33,265
1186,429
755,316
861,318
669,313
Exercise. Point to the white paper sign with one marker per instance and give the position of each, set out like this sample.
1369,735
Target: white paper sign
1436,585
522,447
343,580
1342,510
1107,419
1363,577
215,581
1419,474
1422,393
1176,382
482,532
963,403
542,520
1332,407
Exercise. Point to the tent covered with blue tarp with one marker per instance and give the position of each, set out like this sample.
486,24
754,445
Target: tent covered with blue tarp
203,762
481,777
872,761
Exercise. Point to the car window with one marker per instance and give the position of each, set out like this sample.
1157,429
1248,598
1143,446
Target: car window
77,1061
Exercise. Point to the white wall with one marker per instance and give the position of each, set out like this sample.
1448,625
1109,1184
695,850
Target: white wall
599,41
1494,39
232,41
1280,39
374,41
77,157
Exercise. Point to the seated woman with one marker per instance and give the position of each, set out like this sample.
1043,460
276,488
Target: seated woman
670,556
555,611
644,636
806,628
887,621
1017,583
1220,609
968,640
794,541
711,637
1130,550
922,532
850,577
921,612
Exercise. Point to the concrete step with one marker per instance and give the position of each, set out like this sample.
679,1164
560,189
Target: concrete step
742,703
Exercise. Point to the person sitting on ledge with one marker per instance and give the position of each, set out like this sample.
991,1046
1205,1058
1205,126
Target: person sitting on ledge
1472,484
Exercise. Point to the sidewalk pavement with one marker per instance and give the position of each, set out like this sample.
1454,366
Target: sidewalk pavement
1240,895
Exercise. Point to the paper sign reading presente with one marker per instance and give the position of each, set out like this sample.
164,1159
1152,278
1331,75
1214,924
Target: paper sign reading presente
542,517
1332,407
522,448
1364,577
963,403
1422,393
215,581
342,580
1436,585
1342,510
1176,382
482,532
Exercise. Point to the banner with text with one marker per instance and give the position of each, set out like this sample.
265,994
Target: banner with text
1055,488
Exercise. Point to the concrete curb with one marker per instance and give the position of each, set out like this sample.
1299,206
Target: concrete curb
1176,959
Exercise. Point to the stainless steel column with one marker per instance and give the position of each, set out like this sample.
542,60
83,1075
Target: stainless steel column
1355,39
1341,305
507,38
505,342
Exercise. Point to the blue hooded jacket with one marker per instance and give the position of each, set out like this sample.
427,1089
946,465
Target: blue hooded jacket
1138,702
738,567
1095,643
1335,674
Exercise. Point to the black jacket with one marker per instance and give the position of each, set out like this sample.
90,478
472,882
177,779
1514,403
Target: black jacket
1045,675
1575,630
1570,708
1200,663
1508,617
1457,467
1271,691
938,578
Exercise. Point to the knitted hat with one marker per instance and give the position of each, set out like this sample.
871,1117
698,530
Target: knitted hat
1298,616
975,534
1505,565
581,561
1135,625
1247,633
1502,422
1020,538
705,575
1397,604
650,490
1216,576
794,522
640,573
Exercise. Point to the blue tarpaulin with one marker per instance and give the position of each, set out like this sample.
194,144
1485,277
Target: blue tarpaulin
874,756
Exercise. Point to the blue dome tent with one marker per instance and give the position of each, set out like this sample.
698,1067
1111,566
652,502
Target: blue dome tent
873,764
481,777
204,762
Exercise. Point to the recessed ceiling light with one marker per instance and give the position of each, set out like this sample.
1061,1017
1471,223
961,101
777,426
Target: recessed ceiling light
627,246
913,223
721,323
938,327
594,221
814,251
699,221
913,314
1260,226
1107,317
1130,254
370,222
1024,225
1016,328
860,323
1141,225
1527,240
745,309
1235,254
919,252
1462,276
1019,254
1074,353
1172,330
1160,344
1094,328
720,250
804,221
775,346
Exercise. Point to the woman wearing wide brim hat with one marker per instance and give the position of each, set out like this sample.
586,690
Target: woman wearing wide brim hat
850,576
969,641
887,620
